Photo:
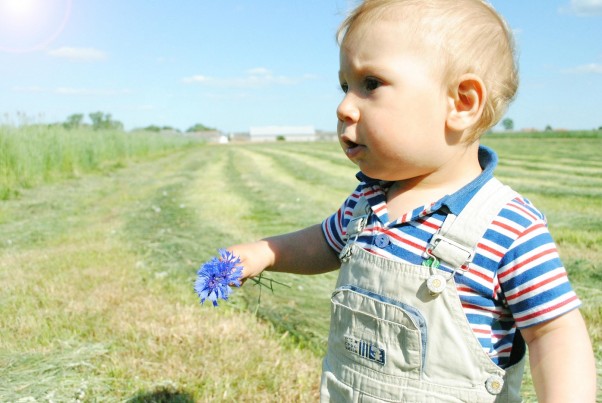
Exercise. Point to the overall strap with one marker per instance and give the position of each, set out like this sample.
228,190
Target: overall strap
456,241
359,217
356,225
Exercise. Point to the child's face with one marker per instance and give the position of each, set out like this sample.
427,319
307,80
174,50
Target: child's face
392,119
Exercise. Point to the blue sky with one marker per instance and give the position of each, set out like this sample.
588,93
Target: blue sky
233,64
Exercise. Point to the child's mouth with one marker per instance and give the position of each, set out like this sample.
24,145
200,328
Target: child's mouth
352,149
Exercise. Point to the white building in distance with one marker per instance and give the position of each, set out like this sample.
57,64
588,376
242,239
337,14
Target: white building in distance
287,133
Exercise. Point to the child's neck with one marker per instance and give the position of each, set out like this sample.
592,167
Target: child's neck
405,195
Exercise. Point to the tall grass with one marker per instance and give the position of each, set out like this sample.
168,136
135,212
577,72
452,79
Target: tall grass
35,154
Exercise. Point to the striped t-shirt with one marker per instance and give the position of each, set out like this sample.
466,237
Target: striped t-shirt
515,279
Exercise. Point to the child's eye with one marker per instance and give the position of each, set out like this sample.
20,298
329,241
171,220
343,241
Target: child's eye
371,83
344,87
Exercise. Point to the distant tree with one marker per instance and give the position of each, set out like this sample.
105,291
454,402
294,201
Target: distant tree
170,129
74,121
97,119
199,127
104,121
152,128
508,124
548,128
157,129
117,125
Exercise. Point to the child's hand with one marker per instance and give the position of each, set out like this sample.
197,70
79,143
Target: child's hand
254,257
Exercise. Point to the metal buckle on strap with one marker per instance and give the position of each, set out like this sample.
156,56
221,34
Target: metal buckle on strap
438,241
354,228
345,253
356,225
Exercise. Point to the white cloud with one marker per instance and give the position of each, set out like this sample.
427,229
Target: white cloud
78,54
584,7
163,59
259,71
591,68
257,77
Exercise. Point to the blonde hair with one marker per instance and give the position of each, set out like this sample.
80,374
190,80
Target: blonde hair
469,36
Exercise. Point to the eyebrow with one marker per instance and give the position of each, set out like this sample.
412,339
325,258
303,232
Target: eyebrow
367,68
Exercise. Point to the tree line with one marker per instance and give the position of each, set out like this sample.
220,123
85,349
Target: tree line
104,121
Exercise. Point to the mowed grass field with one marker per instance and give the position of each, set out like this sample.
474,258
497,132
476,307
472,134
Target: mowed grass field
96,270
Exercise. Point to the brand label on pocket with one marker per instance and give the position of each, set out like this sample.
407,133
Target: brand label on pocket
365,349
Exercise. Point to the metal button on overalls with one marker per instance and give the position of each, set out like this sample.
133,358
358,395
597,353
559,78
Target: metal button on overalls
494,384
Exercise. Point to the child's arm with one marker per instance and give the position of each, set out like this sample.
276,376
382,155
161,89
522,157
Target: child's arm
562,361
302,252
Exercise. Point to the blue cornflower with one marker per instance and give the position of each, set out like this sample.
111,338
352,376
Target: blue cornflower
215,277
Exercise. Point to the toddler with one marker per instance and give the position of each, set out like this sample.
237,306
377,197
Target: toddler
445,273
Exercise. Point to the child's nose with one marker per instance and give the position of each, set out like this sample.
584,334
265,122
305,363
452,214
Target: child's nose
347,111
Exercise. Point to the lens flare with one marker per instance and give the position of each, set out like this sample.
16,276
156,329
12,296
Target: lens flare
19,9
29,25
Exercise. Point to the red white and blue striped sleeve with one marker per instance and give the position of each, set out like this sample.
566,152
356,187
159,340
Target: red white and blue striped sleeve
531,274
335,226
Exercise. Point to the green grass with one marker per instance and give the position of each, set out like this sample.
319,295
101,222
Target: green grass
104,265
34,154
96,271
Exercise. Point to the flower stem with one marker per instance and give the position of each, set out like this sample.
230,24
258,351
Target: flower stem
267,283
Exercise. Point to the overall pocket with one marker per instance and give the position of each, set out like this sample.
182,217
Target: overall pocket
376,335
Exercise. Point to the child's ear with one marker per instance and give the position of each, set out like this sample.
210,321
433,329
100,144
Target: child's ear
466,102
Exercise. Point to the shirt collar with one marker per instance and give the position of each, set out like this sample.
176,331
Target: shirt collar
456,201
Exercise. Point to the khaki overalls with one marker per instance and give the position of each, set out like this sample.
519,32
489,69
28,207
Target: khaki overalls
398,332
